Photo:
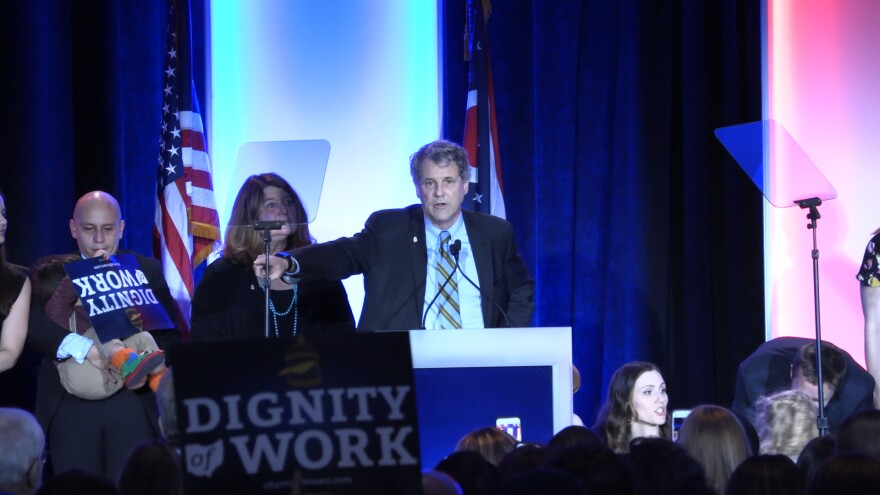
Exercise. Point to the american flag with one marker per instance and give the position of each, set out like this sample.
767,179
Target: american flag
187,228
481,130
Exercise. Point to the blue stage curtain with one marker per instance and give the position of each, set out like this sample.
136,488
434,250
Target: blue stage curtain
82,102
640,232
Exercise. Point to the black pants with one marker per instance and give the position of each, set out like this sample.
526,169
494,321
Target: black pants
98,436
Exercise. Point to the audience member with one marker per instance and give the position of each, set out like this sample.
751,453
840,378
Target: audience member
774,474
229,302
714,437
21,452
635,407
814,454
521,459
662,467
77,482
786,421
491,442
437,483
846,474
575,386
541,481
94,435
789,363
571,435
599,470
15,298
152,469
473,473
406,254
860,433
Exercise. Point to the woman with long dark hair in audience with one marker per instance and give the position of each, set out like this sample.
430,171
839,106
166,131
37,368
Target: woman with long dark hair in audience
715,438
635,407
869,286
15,300
229,302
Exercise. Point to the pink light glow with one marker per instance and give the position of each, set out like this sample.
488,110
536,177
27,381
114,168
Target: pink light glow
824,88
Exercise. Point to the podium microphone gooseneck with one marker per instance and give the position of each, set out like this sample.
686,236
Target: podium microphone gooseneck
266,227
453,250
482,294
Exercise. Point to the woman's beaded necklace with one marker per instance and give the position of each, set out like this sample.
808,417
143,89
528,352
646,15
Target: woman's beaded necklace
293,306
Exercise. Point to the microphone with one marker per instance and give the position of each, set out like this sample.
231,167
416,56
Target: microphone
268,225
454,249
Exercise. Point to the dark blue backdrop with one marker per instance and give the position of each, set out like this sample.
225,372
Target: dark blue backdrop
641,234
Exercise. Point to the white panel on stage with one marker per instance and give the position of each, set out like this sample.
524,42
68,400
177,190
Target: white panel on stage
465,379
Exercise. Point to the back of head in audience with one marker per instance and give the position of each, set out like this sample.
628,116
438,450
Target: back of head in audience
76,482
786,421
846,474
21,451
661,466
774,474
714,437
815,453
474,474
491,442
152,469
571,435
599,470
521,459
437,483
541,481
860,433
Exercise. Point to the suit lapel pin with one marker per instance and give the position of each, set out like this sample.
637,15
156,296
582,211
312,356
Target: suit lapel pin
415,239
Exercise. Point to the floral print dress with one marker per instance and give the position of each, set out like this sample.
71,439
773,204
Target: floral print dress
869,274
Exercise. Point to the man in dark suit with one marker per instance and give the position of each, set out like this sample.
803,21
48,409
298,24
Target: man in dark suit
94,436
398,253
789,363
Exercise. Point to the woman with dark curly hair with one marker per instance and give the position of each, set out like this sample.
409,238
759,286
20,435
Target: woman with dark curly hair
635,407
229,302
15,301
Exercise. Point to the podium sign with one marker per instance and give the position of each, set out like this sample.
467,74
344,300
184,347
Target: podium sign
117,296
340,409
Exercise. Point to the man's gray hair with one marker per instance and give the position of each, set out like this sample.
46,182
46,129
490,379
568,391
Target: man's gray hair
442,153
21,443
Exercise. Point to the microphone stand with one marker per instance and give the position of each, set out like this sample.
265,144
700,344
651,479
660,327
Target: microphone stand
267,227
267,238
812,204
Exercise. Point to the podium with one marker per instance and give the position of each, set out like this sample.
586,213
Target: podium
466,379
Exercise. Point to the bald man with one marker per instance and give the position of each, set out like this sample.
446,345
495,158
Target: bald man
95,436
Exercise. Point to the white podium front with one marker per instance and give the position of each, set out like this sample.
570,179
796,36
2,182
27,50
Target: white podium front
466,379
